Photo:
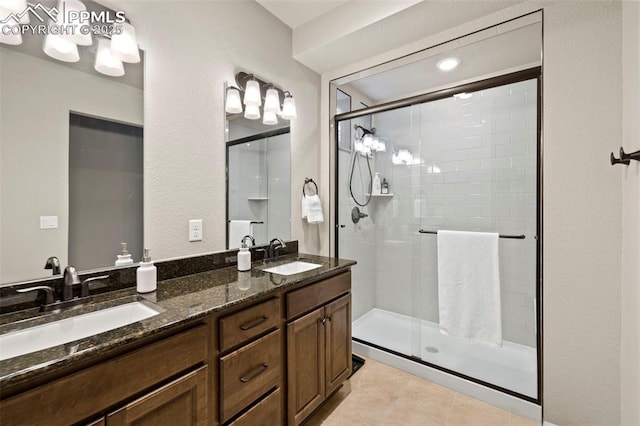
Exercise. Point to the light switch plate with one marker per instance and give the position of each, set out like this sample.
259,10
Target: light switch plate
48,222
195,230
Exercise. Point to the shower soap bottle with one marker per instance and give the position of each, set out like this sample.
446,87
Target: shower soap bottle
146,275
376,186
244,255
385,186
124,258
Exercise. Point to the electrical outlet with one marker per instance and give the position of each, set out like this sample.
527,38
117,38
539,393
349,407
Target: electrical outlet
195,230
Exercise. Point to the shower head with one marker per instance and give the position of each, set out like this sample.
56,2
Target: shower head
365,131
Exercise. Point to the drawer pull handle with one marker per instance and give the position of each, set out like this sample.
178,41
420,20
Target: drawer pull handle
258,371
249,325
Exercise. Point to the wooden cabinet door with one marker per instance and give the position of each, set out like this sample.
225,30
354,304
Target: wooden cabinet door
337,342
181,402
305,357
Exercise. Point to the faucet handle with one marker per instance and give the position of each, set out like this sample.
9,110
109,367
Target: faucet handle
84,286
53,263
47,290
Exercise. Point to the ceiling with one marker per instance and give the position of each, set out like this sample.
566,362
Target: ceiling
496,54
295,13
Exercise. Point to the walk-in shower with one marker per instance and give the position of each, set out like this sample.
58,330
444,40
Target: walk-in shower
467,159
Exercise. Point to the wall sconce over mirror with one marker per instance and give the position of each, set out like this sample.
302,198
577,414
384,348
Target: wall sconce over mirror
71,31
247,99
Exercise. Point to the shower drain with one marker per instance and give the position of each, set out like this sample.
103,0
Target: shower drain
432,349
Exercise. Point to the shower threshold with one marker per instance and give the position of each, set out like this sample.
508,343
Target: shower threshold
512,367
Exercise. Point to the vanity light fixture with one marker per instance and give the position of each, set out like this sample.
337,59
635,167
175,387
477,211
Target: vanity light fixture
63,45
255,91
368,142
448,64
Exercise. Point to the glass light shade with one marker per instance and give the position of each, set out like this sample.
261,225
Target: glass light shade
13,5
272,101
105,62
73,25
270,118
252,112
252,94
367,140
382,146
60,49
233,105
358,146
405,156
395,159
289,108
124,46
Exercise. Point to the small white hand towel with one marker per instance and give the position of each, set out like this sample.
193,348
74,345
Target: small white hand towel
469,285
305,206
237,230
314,214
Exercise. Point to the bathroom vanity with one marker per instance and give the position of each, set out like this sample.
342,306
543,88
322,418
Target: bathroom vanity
227,347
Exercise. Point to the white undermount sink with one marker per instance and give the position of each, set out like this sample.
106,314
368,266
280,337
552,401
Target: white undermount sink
67,330
292,268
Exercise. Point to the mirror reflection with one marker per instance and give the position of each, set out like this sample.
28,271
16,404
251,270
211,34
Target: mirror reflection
259,187
71,165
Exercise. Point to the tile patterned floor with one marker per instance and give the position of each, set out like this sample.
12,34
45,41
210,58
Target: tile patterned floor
381,395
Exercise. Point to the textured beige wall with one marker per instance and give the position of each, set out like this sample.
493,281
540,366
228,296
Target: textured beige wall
192,48
630,341
582,212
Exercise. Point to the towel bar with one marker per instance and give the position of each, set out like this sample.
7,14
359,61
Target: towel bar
513,237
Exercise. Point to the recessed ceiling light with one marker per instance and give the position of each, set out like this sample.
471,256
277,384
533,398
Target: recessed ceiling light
447,64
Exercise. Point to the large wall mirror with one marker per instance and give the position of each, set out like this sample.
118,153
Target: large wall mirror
258,180
71,165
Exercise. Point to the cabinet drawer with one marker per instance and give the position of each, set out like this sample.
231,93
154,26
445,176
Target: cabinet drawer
265,413
314,295
248,323
248,373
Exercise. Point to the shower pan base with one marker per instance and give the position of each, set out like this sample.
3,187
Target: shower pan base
511,366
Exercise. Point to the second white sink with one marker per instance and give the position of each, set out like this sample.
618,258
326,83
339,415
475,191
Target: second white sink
67,330
292,268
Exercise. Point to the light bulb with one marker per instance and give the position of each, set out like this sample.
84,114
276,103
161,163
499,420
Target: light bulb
252,112
72,25
233,105
367,140
358,146
60,49
382,146
448,64
269,118
124,46
105,62
272,101
289,108
252,94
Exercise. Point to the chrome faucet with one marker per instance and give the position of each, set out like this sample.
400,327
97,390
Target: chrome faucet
275,245
53,263
70,278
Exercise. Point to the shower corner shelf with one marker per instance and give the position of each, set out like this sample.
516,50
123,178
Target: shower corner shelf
258,198
380,195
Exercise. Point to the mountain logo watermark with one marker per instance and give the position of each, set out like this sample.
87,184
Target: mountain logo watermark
40,12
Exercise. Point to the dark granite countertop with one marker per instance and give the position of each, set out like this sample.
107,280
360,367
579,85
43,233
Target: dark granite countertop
180,300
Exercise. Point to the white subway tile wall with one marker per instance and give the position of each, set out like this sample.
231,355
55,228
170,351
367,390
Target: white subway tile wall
476,170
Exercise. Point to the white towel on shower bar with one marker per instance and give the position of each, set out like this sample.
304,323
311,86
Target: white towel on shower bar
237,230
469,285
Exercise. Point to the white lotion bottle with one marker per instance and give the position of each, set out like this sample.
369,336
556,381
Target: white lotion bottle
146,275
376,187
124,258
244,255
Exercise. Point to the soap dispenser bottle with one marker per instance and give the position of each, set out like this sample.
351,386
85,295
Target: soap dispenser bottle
244,255
146,275
124,258
376,186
